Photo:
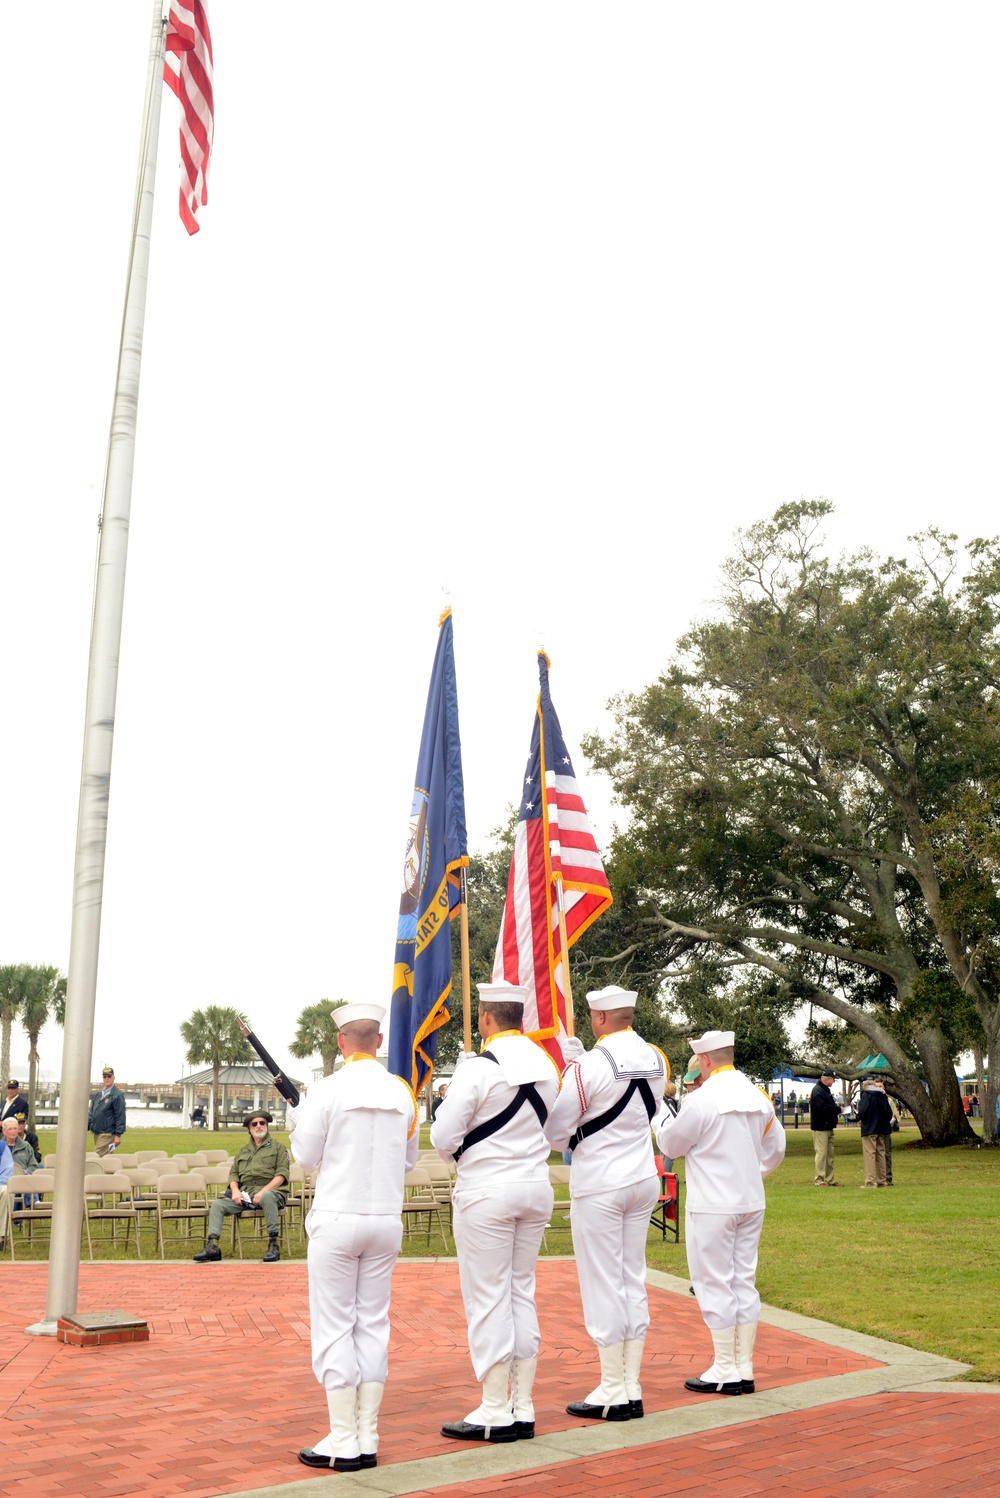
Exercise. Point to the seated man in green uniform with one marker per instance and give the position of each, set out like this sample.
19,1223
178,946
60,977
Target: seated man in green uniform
259,1171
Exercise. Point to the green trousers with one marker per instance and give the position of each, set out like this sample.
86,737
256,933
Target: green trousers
224,1206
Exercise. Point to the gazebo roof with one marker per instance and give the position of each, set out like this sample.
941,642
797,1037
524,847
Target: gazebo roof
236,1076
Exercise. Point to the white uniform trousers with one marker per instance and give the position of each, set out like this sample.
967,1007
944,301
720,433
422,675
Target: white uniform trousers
609,1243
722,1259
351,1259
498,1232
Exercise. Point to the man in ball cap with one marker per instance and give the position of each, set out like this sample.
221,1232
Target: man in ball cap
609,1098
730,1138
14,1102
491,1122
258,1173
360,1125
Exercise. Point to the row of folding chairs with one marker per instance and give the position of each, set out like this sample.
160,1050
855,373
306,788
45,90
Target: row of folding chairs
122,1160
163,1197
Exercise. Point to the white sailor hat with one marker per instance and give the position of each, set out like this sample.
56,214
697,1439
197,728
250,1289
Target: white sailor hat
349,1014
612,997
503,993
712,1040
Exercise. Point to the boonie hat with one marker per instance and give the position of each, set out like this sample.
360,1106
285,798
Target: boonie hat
257,1113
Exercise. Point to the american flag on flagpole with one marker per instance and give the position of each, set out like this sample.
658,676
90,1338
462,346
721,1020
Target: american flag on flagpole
553,844
188,71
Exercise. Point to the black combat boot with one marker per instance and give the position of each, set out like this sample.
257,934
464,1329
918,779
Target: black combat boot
273,1251
210,1252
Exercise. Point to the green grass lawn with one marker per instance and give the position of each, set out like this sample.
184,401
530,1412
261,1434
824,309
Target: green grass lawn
918,1264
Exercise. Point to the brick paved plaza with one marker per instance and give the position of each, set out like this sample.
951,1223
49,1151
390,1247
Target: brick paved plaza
222,1396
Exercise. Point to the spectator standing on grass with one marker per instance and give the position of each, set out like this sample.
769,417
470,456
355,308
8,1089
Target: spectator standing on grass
824,1115
876,1121
106,1119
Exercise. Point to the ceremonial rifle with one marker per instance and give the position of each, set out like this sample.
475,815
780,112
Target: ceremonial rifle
287,1089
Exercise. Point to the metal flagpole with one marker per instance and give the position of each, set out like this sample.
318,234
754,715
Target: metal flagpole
466,989
564,959
98,733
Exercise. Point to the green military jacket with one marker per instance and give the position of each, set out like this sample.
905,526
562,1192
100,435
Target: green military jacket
257,1165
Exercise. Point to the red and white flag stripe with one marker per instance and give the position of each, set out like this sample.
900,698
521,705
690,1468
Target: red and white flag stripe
553,844
188,71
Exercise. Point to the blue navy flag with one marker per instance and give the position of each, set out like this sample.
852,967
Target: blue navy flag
435,855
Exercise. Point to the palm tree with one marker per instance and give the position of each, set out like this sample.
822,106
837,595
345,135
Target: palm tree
44,998
317,1033
11,996
214,1038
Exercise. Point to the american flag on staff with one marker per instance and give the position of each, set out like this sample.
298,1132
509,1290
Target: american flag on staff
188,71
553,844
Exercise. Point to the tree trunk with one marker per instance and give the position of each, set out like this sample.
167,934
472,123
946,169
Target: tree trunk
988,1094
5,1028
32,1075
215,1098
949,1124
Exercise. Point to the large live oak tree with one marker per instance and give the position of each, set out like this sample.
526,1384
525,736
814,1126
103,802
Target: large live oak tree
813,789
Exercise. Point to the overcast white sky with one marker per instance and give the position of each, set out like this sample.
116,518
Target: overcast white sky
533,302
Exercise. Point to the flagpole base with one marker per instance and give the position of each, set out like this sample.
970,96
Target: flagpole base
42,1329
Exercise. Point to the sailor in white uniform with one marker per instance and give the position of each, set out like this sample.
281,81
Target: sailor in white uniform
491,1123
609,1098
730,1139
360,1126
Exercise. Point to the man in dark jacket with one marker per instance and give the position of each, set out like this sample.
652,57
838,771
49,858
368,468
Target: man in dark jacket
14,1102
106,1119
876,1121
824,1115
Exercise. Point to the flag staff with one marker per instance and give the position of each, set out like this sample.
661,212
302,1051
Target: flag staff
466,986
564,959
98,733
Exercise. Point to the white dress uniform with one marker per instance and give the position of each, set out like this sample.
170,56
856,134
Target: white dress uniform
613,1189
730,1140
502,1204
360,1127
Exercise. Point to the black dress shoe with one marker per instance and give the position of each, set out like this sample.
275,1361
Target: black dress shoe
464,1430
585,1411
310,1458
704,1386
748,1385
525,1430
368,1459
635,1409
